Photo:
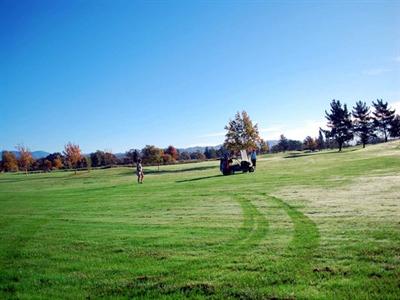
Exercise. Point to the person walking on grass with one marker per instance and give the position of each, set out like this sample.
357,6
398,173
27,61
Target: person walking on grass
253,157
139,171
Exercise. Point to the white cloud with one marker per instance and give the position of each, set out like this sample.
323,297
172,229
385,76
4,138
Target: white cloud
298,132
396,106
274,128
199,145
375,72
213,134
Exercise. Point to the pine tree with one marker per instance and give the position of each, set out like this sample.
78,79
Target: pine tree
395,127
320,141
132,156
283,144
363,126
339,122
383,117
207,153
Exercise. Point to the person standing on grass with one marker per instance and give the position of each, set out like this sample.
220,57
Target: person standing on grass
253,157
139,171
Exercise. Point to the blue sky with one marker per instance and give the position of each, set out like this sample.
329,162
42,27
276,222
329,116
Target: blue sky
117,75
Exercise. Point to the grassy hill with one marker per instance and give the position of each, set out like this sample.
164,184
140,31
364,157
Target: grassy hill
320,225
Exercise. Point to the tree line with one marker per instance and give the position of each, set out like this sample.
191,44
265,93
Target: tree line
361,124
73,158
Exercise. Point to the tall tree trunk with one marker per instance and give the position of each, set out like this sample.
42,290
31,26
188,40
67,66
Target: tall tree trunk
385,136
340,147
363,145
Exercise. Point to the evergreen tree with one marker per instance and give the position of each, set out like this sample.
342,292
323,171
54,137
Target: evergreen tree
340,124
221,151
242,134
320,141
395,127
184,155
207,153
132,156
97,158
383,117
197,155
363,126
283,144
210,153
294,145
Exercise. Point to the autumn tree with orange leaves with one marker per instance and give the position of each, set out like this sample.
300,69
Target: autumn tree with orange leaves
25,159
72,155
9,162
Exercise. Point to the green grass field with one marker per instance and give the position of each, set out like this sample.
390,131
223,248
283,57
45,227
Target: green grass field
323,225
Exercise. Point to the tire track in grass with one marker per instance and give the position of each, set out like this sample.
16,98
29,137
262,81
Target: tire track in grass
306,235
253,229
280,276
194,280
288,269
296,260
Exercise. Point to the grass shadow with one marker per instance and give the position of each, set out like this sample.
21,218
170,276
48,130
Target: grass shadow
296,155
203,168
147,171
198,178
207,177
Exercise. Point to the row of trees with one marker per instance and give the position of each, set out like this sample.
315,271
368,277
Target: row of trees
344,125
72,158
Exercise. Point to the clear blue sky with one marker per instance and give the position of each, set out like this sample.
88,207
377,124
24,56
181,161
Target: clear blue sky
121,74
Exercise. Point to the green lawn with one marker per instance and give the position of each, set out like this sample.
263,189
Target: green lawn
323,225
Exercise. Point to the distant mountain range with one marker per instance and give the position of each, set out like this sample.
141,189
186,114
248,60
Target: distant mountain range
35,154
198,148
203,148
40,154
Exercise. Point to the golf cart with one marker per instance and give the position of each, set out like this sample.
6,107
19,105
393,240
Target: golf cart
230,165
